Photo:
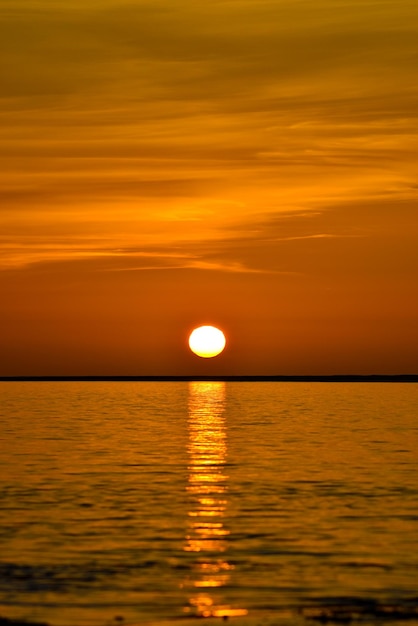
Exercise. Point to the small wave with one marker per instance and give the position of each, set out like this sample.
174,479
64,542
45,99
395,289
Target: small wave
346,610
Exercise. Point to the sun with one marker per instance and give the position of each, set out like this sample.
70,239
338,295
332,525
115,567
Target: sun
207,341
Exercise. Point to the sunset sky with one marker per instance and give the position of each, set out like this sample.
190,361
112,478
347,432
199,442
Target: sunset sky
250,164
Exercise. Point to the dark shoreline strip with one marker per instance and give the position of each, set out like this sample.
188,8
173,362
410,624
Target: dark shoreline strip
339,378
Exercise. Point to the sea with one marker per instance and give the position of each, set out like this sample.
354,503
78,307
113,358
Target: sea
259,503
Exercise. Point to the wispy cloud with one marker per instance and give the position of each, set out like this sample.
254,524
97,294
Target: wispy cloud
196,131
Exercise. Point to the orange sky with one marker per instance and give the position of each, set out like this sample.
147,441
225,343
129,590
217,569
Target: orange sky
246,163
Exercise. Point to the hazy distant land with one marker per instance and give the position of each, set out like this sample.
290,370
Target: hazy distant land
337,378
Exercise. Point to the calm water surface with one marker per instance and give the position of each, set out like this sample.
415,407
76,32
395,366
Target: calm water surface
135,503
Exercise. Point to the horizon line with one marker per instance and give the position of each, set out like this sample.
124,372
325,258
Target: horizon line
221,378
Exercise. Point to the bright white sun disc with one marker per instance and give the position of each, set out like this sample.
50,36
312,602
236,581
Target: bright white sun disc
207,341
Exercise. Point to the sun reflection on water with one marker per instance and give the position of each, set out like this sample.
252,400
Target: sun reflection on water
207,534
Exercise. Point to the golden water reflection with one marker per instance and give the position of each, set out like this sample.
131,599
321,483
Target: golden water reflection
207,534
